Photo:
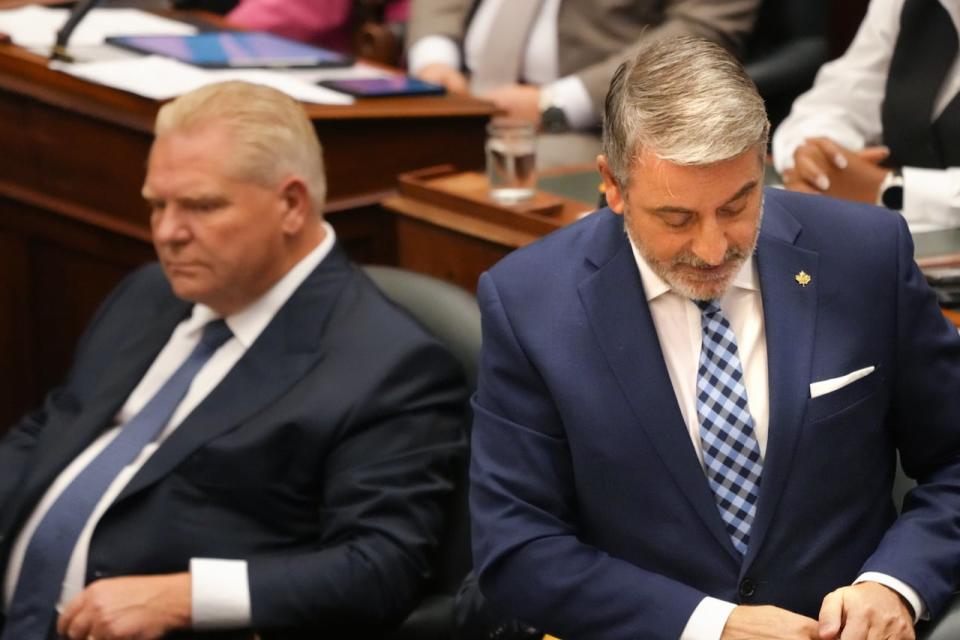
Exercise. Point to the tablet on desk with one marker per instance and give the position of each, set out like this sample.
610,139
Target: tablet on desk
234,49
384,87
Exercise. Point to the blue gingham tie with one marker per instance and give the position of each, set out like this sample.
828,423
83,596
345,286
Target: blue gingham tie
32,610
731,453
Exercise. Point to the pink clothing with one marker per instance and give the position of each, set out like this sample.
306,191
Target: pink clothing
321,22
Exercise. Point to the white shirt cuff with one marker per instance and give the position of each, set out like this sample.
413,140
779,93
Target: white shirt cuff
708,620
433,50
909,593
931,198
571,93
221,594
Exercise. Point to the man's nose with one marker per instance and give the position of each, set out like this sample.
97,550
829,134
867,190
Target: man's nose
168,225
710,244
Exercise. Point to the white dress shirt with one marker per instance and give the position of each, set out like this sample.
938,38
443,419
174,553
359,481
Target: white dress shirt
677,322
540,62
844,104
220,590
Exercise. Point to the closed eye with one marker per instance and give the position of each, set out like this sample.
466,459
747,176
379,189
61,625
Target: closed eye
203,205
155,204
731,212
675,218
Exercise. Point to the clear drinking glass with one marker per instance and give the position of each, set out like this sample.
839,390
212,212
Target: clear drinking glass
511,160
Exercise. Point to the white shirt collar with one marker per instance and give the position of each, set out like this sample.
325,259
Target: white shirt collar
248,323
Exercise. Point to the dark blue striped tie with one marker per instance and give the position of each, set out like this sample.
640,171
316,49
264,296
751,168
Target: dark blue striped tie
32,611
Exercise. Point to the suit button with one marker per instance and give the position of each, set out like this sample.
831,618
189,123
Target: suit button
747,588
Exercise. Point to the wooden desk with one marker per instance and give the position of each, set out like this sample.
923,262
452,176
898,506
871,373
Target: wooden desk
72,223
450,244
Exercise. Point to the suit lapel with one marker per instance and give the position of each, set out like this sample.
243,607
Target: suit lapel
287,348
789,310
127,367
616,307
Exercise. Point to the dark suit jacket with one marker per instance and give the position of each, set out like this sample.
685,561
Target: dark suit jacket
595,36
322,459
592,517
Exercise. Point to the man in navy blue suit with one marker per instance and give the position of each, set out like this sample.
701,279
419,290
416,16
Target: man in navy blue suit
296,486
690,403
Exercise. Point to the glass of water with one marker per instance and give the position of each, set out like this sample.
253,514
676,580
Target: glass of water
511,160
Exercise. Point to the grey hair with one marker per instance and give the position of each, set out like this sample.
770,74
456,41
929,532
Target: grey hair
272,135
687,100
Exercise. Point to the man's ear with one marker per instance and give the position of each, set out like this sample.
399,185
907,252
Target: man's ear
295,199
611,190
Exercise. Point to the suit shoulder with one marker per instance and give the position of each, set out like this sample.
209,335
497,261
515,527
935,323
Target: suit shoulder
832,216
396,350
138,296
378,323
558,251
148,280
835,227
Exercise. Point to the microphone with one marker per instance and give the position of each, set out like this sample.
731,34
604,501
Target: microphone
80,9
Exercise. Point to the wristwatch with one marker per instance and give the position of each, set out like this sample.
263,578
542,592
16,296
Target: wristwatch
891,190
553,119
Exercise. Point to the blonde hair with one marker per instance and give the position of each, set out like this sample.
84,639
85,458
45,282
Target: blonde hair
687,100
272,135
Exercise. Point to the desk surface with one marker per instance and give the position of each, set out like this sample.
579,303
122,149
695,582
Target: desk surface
365,148
72,222
934,248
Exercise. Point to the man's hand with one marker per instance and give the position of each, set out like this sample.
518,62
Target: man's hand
141,607
518,101
865,611
768,623
824,166
453,80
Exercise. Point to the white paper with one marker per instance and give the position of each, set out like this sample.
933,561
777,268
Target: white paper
36,26
163,78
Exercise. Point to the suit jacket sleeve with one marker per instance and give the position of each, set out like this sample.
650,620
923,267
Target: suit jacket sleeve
829,109
438,18
382,489
727,22
922,546
524,511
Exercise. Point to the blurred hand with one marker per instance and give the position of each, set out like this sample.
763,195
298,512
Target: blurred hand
518,101
451,78
140,607
865,611
824,166
768,623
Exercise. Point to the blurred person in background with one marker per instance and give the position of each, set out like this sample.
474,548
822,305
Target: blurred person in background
882,122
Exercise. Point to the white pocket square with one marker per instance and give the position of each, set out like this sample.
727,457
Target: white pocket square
824,387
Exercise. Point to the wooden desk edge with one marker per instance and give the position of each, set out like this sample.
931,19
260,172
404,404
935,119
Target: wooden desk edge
127,228
953,315
25,67
449,219
946,260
